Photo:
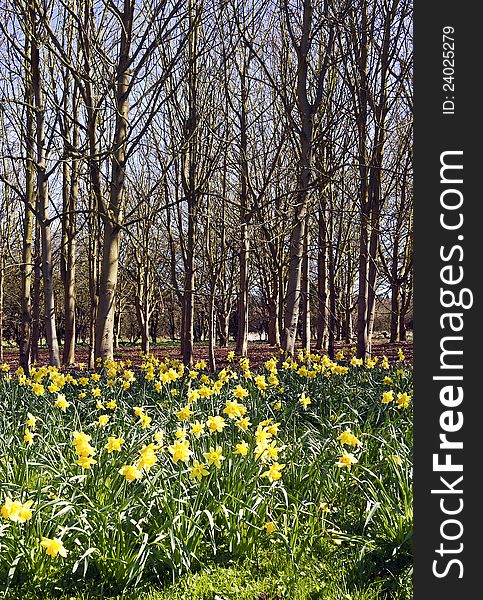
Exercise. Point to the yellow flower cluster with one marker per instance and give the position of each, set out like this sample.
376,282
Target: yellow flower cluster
347,438
84,450
403,400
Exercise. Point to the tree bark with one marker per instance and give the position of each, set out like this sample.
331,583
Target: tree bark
211,330
297,240
36,328
307,111
274,313
70,193
322,295
305,295
365,212
190,187
112,218
2,277
43,201
243,295
26,267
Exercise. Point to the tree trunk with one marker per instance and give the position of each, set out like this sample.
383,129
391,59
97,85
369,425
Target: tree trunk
117,327
182,326
307,110
273,313
70,193
112,218
363,293
394,313
190,187
223,326
43,200
96,200
188,296
211,330
143,309
243,297
348,323
145,334
305,291
104,335
281,296
322,312
34,350
29,203
242,330
297,241
2,273
402,327
332,304
93,276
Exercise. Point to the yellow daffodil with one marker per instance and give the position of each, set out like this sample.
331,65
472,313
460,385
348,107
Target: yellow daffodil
403,400
114,444
216,423
387,397
193,396
241,448
214,457
205,392
53,547
270,527
197,429
38,389
273,428
261,382
28,436
348,439
31,421
273,473
131,472
240,392
180,451
305,400
147,458
103,420
198,471
346,461
234,409
145,421
85,461
184,413
243,423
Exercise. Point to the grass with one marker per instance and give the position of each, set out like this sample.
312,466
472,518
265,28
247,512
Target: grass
270,578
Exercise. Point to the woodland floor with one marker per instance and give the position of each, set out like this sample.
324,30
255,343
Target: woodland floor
258,352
